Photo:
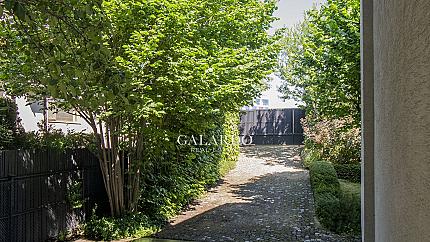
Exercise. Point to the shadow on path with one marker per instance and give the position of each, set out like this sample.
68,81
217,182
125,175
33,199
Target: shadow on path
267,197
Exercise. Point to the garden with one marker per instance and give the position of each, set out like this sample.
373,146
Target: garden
140,73
321,63
143,73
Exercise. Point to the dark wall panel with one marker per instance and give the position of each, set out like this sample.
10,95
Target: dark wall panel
33,192
273,126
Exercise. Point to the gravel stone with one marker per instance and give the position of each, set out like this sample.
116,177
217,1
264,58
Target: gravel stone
267,197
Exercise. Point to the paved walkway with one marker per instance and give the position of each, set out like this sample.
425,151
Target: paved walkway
267,197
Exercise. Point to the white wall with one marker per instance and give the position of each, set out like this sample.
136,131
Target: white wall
274,96
29,119
290,13
31,115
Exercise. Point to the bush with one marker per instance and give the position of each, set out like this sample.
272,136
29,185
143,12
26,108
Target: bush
350,172
10,128
172,179
172,176
327,210
326,190
337,207
56,139
128,226
337,141
324,179
350,207
230,153
309,156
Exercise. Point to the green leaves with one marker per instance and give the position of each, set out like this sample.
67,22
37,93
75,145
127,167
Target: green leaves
321,61
143,69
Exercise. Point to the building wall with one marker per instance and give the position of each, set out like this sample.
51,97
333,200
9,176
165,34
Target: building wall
31,115
402,120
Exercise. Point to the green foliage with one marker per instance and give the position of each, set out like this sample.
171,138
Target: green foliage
63,235
326,190
173,179
10,128
321,61
111,228
230,153
74,194
309,156
350,207
337,204
146,71
56,139
337,140
350,172
324,179
327,207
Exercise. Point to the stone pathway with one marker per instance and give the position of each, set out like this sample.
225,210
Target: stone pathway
267,197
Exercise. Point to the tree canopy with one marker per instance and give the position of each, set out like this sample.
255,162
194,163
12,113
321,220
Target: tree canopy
320,61
130,68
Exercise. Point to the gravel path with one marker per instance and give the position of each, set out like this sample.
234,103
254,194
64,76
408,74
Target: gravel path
267,197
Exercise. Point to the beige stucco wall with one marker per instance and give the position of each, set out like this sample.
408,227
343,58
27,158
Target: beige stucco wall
402,120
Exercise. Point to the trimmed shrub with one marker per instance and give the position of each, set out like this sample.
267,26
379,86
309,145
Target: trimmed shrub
350,207
350,172
323,178
326,188
337,207
327,210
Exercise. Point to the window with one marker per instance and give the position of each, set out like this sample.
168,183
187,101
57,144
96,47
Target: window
257,101
265,102
58,115
61,116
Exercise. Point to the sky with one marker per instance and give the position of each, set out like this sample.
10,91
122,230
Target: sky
290,13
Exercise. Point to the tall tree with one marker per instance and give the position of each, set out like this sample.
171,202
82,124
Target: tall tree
320,61
122,65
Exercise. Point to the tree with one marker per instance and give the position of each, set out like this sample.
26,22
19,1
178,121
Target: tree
130,68
10,127
321,61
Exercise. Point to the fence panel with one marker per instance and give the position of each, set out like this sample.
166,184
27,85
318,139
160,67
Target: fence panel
273,126
34,185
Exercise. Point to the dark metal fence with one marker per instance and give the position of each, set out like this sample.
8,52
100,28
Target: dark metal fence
272,126
35,191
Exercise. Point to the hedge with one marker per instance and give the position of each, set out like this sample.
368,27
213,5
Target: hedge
337,207
172,177
350,205
350,172
326,188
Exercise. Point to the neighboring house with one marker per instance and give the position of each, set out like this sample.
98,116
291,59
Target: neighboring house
33,117
259,103
272,98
